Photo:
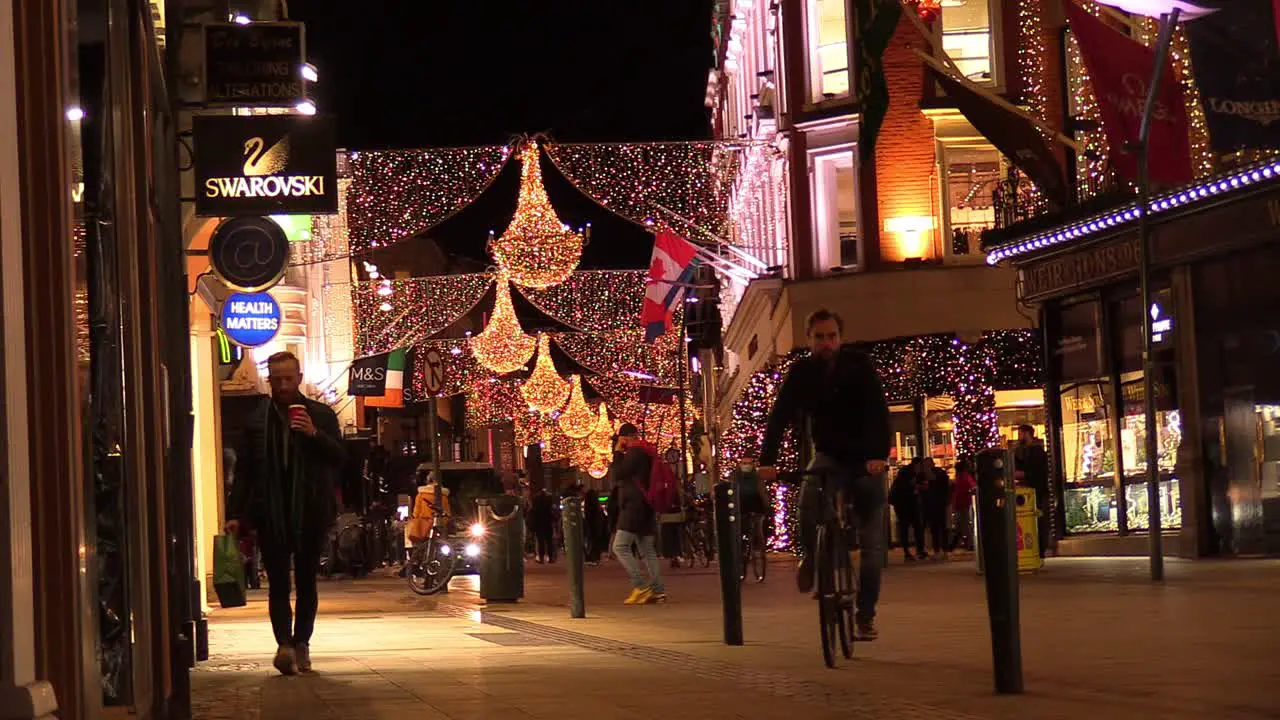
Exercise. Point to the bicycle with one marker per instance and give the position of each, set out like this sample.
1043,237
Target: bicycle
754,550
695,541
836,579
433,561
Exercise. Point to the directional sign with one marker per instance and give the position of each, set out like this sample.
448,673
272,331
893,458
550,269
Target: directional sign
433,373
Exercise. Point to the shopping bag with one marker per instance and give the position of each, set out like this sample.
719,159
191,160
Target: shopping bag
228,571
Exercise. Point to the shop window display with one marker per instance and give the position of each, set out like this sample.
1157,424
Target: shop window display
1133,438
1089,462
939,427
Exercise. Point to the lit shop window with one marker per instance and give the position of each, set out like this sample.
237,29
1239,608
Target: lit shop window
967,37
828,50
973,173
835,215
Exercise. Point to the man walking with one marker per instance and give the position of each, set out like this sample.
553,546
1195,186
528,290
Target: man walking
637,521
836,390
284,487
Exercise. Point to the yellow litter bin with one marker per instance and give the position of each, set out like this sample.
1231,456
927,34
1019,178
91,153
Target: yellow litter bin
1028,531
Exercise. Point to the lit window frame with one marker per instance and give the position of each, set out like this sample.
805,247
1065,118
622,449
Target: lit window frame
826,256
995,26
814,79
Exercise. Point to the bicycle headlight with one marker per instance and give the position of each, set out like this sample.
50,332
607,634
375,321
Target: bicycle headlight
477,530
473,550
445,549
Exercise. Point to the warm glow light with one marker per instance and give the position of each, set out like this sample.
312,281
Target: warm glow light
241,19
599,467
910,230
577,421
601,438
75,114
1155,8
503,346
306,106
309,72
536,249
545,391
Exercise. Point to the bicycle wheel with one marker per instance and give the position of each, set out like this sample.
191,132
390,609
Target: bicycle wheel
828,617
430,569
845,593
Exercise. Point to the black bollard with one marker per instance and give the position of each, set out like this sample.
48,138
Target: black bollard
729,537
571,520
1000,565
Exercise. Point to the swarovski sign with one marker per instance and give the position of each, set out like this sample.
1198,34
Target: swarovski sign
265,165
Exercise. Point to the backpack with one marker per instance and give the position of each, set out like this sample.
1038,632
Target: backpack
662,494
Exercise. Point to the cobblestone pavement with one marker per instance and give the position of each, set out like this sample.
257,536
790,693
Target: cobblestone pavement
1099,640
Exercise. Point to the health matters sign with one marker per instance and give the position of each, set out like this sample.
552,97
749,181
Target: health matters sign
254,65
265,165
251,319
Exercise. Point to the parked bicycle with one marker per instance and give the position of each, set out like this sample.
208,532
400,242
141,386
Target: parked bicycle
755,551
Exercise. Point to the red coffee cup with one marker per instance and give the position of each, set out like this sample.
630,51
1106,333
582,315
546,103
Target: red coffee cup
297,412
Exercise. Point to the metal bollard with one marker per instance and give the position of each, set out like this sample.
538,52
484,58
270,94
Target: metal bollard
729,537
1000,565
571,519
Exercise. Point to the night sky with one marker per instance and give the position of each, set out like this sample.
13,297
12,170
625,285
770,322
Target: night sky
432,73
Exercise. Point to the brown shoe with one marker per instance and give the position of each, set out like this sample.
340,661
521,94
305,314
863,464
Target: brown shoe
286,661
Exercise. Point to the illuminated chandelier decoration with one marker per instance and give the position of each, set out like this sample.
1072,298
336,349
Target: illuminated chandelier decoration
503,346
545,391
599,467
601,438
536,249
928,10
577,421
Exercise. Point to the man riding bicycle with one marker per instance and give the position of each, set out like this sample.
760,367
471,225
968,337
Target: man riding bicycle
836,389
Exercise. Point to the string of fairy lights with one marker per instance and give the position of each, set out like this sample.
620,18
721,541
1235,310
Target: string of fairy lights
909,369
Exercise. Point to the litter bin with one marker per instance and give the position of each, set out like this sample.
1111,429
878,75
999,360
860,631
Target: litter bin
502,560
1028,531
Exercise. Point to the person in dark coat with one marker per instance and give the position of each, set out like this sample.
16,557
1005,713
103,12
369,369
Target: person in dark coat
933,504
285,487
1031,469
904,497
637,522
542,521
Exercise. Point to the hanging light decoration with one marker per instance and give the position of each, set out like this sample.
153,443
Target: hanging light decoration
577,421
536,248
545,390
601,438
599,467
503,346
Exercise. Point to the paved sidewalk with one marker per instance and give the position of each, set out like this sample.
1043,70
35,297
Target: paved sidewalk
1098,641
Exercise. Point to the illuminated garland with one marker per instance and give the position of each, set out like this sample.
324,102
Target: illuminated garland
593,300
397,194
502,346
545,390
658,422
577,421
621,351
1031,55
909,368
493,402
1202,161
601,437
328,239
1091,166
691,179
599,467
537,249
385,321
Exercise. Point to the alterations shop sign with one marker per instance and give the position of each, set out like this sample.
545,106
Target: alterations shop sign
254,65
265,165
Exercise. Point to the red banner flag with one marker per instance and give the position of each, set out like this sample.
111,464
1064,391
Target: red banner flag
1120,69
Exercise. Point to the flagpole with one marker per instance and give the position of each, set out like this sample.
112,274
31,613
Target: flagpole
1167,24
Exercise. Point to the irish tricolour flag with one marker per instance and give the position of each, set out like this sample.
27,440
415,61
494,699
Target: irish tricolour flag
672,266
379,379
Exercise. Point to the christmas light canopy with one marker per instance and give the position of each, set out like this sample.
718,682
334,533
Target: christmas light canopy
1195,194
536,249
599,466
503,346
545,391
577,421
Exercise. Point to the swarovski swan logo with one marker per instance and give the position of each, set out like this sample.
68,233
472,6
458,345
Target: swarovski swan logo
258,163
262,175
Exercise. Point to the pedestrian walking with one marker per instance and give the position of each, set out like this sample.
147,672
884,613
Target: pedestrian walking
594,526
637,521
904,497
542,520
285,489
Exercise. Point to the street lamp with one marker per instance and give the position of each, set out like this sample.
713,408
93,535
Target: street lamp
1168,11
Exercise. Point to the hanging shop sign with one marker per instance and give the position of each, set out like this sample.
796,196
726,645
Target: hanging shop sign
1162,320
249,253
1237,70
250,319
254,65
265,165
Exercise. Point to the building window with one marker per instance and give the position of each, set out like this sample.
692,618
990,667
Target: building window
828,50
968,37
835,208
1088,422
972,173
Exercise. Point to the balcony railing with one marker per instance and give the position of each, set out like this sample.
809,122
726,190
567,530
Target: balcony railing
1021,210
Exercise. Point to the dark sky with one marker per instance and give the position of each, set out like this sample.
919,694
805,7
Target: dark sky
433,73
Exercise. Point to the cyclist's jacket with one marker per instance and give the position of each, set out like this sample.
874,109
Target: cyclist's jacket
844,402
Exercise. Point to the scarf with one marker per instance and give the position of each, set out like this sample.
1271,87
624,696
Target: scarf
283,460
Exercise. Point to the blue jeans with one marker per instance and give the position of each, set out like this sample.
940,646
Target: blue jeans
866,493
622,550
